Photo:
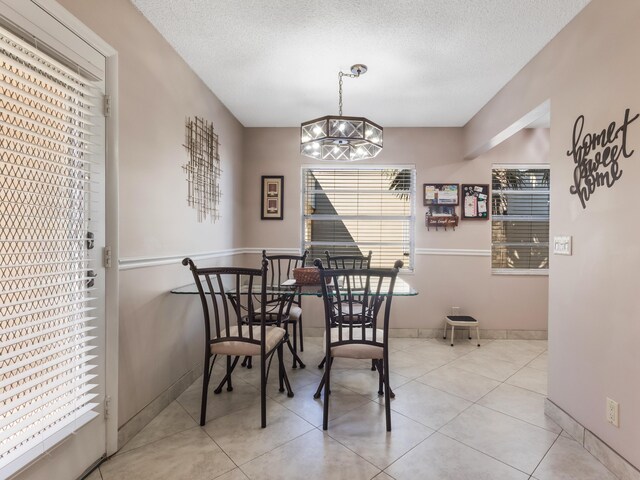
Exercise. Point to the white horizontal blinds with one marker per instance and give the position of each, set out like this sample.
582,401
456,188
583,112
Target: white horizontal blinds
353,211
46,368
520,220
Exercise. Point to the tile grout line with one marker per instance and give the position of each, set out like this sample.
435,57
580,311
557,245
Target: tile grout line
366,398
411,449
483,453
546,453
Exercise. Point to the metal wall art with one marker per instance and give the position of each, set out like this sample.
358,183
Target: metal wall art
203,169
596,155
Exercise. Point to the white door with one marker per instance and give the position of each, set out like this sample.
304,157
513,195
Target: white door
52,235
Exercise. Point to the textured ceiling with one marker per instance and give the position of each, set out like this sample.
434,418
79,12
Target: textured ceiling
431,62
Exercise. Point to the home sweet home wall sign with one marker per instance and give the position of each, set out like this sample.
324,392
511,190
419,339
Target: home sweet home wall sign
596,156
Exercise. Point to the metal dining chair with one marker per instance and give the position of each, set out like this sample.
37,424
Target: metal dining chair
353,328
341,262
235,329
280,269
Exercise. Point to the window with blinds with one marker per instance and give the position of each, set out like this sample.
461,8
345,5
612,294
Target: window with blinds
520,219
354,211
46,365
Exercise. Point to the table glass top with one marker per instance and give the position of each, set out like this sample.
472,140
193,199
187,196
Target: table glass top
401,289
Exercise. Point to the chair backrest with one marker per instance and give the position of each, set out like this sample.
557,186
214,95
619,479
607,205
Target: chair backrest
353,299
281,266
338,262
281,269
234,295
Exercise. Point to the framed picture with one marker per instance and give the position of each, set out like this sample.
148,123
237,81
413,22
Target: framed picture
441,194
272,195
475,202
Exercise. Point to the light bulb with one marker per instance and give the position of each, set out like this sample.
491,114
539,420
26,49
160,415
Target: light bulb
360,151
305,139
375,139
341,127
316,146
308,147
336,149
317,130
369,133
316,153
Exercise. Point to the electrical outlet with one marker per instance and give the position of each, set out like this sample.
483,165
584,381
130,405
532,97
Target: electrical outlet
612,412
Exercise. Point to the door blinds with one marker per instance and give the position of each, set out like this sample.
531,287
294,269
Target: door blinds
45,290
353,211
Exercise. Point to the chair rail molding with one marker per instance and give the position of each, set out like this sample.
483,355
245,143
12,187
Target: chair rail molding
130,263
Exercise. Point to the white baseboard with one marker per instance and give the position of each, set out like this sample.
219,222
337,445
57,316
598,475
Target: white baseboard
140,420
437,332
620,467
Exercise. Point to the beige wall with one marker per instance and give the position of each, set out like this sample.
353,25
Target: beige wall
160,334
590,68
500,302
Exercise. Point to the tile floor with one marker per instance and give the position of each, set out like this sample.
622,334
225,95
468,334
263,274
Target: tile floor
459,413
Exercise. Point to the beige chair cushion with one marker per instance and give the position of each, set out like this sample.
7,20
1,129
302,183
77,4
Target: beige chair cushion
295,312
239,348
356,350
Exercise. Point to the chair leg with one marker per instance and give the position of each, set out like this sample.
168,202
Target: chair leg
444,335
373,365
478,334
227,378
280,369
205,391
387,391
229,370
263,391
453,331
300,331
283,372
322,383
297,361
327,385
295,345
321,364
469,333
380,378
247,362
320,386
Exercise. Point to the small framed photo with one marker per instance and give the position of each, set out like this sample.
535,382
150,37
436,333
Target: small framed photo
272,197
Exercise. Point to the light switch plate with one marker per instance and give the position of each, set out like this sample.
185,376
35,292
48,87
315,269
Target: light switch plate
562,245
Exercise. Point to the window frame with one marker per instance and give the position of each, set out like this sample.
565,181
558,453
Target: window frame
412,201
518,271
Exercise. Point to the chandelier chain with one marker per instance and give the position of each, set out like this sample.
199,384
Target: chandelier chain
340,75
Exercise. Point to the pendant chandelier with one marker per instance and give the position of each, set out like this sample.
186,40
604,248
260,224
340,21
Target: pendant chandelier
339,138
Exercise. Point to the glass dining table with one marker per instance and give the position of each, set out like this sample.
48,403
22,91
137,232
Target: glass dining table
290,288
400,289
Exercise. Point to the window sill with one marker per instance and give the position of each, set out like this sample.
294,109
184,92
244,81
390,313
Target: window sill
521,272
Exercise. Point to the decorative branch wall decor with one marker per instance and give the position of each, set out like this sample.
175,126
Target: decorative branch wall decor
203,170
596,156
